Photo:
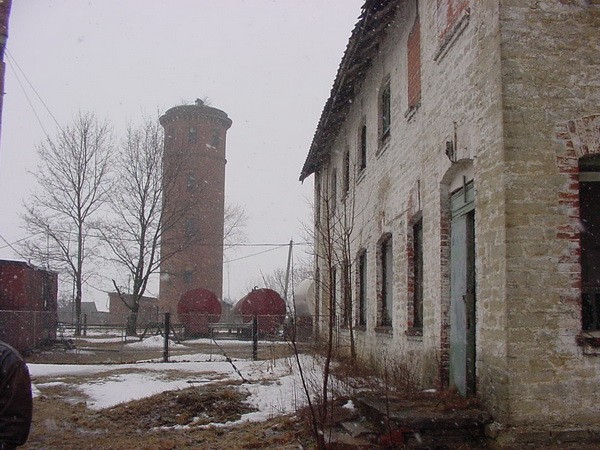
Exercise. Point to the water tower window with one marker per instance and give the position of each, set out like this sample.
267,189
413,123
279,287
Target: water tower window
216,138
192,182
190,228
192,136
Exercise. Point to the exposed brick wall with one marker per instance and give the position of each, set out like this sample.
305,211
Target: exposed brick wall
414,64
549,75
195,152
118,312
580,137
448,13
496,78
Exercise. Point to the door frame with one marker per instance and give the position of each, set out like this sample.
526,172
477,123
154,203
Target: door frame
462,212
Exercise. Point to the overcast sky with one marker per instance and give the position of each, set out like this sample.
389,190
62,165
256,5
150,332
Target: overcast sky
269,64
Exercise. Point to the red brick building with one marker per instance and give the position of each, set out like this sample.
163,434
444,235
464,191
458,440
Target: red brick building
27,304
118,312
194,164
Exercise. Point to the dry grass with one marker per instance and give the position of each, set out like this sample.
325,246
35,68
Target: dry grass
164,421
171,420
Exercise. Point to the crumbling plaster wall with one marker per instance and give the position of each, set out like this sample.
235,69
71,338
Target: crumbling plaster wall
460,102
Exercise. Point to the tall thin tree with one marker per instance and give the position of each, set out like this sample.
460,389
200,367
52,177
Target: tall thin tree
133,232
74,179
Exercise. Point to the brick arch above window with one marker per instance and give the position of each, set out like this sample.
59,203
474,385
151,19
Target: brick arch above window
579,137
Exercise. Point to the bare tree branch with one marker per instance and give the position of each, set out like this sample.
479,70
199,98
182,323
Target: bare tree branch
74,183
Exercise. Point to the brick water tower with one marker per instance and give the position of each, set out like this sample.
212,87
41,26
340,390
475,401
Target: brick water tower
194,192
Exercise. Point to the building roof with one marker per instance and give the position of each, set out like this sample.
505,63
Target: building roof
362,47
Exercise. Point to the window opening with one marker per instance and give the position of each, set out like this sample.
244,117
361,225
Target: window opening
346,296
192,135
346,172
333,191
418,274
362,288
333,290
386,111
363,148
589,193
387,280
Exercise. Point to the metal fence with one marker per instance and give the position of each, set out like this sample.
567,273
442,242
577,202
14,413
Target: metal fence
40,332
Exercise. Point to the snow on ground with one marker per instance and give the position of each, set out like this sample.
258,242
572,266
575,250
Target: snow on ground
153,342
274,385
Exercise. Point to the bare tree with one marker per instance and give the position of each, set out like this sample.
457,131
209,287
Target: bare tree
133,233
74,180
234,225
332,234
143,215
276,279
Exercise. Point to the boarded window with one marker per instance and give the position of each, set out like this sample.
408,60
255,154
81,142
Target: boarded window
414,65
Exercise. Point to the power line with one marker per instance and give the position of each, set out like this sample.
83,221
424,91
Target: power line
99,236
26,95
33,89
13,249
256,254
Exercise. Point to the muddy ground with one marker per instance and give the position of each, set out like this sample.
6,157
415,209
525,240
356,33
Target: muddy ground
170,420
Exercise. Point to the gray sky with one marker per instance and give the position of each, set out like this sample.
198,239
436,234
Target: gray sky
269,64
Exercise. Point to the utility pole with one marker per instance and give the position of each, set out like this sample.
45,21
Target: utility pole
287,272
4,15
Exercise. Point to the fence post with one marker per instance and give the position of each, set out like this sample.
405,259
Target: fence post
85,324
254,338
167,328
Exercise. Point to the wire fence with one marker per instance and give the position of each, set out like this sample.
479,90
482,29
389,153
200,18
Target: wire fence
39,333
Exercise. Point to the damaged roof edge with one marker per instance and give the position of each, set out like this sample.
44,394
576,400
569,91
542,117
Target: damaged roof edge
351,71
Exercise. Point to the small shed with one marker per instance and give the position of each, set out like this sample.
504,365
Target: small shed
28,305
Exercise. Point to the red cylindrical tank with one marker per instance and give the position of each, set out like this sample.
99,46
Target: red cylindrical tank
268,307
196,309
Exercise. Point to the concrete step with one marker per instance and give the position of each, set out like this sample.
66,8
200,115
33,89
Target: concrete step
425,420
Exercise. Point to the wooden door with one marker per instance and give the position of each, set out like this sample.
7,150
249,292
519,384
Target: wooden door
462,291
